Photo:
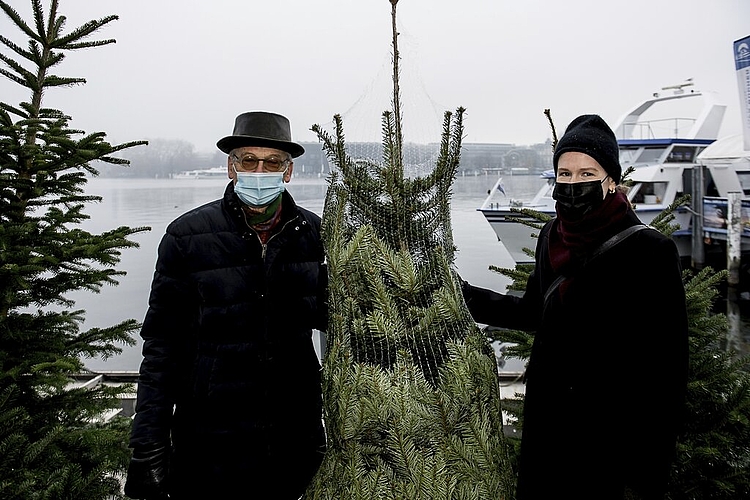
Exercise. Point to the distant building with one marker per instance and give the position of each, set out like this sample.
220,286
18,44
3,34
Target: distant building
476,158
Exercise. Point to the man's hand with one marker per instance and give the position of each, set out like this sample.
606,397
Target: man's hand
147,474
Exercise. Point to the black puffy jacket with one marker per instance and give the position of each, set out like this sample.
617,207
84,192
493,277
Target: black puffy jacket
229,371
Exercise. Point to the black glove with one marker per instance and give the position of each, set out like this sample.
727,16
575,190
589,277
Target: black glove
147,474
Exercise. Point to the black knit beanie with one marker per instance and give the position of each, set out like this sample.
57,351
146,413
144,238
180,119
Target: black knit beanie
591,135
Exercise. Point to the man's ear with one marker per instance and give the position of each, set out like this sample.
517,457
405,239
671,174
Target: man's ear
288,174
230,170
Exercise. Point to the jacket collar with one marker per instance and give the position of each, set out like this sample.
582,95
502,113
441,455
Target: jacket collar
233,206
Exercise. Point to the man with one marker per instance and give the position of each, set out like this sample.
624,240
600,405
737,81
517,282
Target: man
229,395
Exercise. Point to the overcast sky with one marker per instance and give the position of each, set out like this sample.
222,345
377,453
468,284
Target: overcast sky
183,69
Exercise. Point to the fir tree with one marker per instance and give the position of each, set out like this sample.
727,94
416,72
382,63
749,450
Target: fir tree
53,443
713,459
411,395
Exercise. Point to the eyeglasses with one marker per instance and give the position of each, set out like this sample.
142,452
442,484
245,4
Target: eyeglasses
249,162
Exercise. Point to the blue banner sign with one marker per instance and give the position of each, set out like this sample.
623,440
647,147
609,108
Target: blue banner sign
742,66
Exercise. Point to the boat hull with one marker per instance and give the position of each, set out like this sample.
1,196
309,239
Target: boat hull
513,232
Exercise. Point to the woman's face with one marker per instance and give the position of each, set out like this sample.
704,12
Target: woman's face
580,167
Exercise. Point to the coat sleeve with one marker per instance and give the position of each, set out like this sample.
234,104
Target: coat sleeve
500,310
166,334
321,320
506,310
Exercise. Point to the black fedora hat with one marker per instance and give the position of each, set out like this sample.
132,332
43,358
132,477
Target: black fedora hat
260,128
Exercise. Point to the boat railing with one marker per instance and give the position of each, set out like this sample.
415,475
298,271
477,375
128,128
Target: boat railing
659,128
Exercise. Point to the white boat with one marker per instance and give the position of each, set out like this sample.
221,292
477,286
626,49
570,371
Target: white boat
202,173
661,137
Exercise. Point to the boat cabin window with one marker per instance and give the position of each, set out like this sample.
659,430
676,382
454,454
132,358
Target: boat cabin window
628,154
650,155
648,193
681,154
744,178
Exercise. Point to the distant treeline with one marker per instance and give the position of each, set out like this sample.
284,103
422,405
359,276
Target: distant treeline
163,158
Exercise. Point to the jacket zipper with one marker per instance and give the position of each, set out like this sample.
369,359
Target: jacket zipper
264,246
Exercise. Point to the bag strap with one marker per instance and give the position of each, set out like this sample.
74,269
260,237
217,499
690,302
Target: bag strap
553,287
614,240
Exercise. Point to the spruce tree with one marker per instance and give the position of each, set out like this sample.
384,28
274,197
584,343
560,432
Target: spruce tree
53,443
713,452
411,395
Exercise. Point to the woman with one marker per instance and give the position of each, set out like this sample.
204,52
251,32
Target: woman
606,379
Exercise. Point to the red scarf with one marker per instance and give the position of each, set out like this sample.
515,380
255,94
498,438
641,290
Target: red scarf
571,241
264,228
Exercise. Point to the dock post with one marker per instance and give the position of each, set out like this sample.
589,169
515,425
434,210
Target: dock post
697,254
734,242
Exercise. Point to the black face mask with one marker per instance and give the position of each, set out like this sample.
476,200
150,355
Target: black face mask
576,199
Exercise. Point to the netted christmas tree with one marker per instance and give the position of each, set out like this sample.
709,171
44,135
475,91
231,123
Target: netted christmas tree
411,396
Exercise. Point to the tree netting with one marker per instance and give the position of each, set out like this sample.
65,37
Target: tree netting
421,116
411,395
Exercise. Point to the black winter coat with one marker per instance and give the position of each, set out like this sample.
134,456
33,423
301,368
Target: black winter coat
606,379
229,371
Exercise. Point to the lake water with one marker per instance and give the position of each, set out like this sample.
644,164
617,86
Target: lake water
156,202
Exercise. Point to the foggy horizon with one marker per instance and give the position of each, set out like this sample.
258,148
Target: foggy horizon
184,70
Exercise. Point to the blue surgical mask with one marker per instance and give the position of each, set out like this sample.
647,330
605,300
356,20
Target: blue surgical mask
259,189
